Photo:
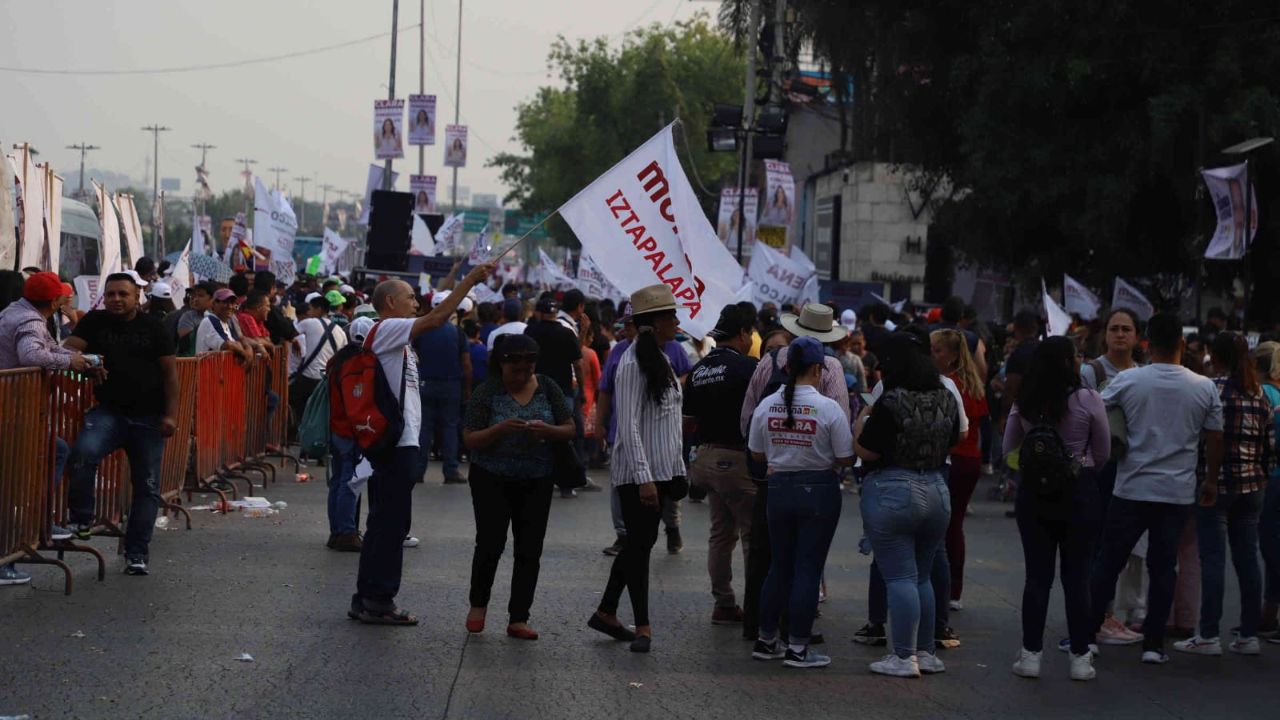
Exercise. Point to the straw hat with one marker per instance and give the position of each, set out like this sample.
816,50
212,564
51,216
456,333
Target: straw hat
815,321
652,299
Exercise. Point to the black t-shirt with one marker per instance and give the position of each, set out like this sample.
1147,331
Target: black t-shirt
915,430
131,352
1019,361
876,335
279,326
558,350
713,393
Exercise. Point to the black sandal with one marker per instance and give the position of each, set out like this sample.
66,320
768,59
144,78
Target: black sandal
617,632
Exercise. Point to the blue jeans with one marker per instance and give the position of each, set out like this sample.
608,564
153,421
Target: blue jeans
104,432
905,515
390,512
1234,520
939,578
1269,540
803,510
1124,523
441,414
345,456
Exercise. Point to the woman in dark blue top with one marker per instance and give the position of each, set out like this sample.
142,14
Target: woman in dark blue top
511,419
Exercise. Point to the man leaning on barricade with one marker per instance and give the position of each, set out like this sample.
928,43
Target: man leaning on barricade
25,342
137,410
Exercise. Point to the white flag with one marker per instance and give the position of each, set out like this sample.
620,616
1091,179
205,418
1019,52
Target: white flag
423,243
132,226
109,261
1079,299
592,282
552,274
450,233
643,225
196,244
33,197
274,229
334,246
1226,190
1127,296
180,274
8,223
1059,320
779,279
53,217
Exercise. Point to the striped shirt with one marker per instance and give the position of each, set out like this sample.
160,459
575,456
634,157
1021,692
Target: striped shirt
648,446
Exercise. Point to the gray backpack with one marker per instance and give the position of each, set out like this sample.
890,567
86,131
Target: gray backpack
926,421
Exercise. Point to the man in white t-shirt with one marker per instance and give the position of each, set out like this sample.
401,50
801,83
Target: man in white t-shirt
391,486
218,332
512,309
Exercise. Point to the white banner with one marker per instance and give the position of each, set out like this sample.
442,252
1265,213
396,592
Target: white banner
1059,320
552,275
423,188
449,237
1079,299
237,242
780,279
388,129
422,242
86,287
455,146
8,223
196,244
779,199
334,246
643,225
33,198
373,182
274,229
1128,296
422,119
109,245
593,283
53,218
132,227
180,275
1226,190
730,219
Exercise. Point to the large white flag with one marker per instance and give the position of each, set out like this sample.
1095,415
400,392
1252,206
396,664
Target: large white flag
53,217
780,279
109,261
180,273
334,246
1079,299
132,226
552,275
1059,320
274,229
592,282
1226,190
1128,296
643,225
422,242
32,178
8,223
449,237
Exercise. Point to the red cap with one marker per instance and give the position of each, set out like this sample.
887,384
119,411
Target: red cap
934,315
67,290
42,287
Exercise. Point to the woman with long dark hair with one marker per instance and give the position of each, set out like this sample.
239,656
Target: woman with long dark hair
648,465
1228,511
1066,523
803,436
905,442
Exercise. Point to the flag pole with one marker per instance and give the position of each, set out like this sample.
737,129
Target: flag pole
525,236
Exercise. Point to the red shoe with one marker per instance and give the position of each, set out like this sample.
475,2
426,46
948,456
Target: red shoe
475,626
525,633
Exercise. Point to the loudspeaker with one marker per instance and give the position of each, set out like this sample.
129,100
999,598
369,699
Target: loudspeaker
390,224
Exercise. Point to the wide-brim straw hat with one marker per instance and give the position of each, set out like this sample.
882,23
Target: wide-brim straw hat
815,321
652,299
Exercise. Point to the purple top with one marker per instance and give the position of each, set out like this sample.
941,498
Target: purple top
674,352
1084,429
26,341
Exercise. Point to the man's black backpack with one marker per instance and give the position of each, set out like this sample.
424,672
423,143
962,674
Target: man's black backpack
1048,471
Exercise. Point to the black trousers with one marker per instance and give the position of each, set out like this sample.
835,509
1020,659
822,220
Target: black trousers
390,511
758,561
522,505
630,569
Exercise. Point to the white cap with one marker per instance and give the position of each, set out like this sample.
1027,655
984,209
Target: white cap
346,290
137,279
438,297
849,319
466,305
312,296
161,290
359,328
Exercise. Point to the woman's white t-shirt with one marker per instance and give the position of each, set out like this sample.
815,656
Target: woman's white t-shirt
819,435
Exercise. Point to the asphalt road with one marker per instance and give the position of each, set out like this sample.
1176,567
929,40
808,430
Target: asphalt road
166,646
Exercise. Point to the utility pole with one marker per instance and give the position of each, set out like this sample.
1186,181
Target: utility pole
457,100
391,84
204,149
155,131
83,148
302,201
422,67
748,116
248,174
277,171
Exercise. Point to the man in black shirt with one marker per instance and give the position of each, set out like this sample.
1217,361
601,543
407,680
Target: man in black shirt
713,396
559,358
137,410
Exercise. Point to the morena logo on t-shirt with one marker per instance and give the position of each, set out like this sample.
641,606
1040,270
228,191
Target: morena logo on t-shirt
801,426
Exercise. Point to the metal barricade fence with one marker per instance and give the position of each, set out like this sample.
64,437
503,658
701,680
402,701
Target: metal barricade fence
24,463
177,451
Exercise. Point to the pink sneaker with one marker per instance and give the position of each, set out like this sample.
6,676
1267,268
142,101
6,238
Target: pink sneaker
1114,632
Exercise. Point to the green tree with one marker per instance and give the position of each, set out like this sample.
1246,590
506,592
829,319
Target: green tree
614,99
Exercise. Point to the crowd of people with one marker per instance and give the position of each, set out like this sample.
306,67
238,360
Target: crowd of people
1135,453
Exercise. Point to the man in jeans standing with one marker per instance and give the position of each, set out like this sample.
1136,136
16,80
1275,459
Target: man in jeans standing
391,486
1167,410
712,400
444,384
137,410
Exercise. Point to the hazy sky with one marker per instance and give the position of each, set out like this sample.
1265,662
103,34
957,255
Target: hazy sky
311,114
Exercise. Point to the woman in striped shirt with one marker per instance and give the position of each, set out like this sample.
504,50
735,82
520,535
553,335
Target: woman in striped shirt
646,458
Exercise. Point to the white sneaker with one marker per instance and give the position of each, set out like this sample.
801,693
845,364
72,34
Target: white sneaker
1082,667
412,542
956,606
929,663
896,666
1028,664
1064,645
1154,657
1196,645
1245,646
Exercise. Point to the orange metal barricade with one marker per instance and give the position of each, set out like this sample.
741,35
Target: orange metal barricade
278,426
177,450
24,467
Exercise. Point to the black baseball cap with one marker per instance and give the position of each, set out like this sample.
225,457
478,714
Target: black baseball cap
732,322
548,305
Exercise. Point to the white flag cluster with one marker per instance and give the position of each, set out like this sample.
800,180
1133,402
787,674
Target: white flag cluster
780,279
1079,299
1128,296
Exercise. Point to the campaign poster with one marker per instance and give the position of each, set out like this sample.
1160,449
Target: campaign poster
733,209
455,146
388,129
780,197
422,119
423,188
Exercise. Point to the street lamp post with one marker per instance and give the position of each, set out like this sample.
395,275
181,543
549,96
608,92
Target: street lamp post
156,214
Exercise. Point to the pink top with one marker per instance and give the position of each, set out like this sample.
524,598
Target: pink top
1084,429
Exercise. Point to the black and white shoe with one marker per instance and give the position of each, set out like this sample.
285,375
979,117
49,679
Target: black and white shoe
135,566
769,650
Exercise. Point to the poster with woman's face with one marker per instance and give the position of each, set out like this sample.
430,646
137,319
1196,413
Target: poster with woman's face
422,119
423,188
388,129
455,146
780,191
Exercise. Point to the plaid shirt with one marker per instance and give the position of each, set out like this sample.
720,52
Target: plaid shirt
1248,440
